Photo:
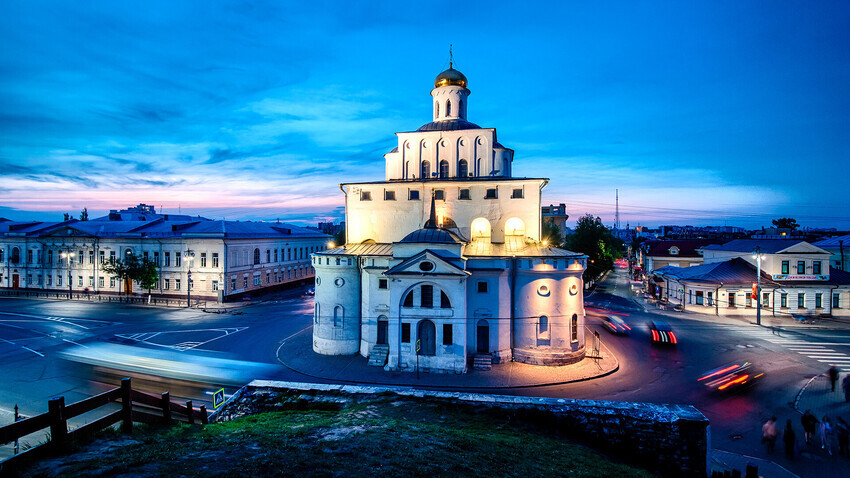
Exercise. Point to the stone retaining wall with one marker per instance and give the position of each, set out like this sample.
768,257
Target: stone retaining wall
671,439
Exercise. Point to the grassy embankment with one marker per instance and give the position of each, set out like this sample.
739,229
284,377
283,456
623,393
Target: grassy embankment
390,438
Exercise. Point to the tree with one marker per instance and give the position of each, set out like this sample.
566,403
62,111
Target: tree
551,233
786,223
593,239
84,214
141,270
339,238
66,216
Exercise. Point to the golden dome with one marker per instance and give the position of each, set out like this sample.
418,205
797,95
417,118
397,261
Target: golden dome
450,77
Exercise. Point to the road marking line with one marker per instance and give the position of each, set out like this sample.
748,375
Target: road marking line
842,362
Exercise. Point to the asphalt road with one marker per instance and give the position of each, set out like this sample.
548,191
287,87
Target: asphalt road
34,332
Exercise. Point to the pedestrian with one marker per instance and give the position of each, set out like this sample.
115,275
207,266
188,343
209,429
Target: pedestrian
833,376
845,384
826,435
790,440
810,424
843,437
769,433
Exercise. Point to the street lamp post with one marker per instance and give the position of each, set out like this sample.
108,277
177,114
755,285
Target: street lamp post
757,255
70,256
188,255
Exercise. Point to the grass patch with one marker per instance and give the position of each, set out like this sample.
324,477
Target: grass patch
386,437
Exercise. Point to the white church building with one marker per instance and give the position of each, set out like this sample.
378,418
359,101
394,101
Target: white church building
443,264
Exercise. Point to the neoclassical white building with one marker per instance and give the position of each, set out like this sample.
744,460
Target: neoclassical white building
443,263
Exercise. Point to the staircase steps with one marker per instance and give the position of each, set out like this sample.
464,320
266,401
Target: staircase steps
378,357
482,362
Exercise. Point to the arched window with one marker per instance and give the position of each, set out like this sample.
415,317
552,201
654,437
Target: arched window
574,328
406,169
480,228
448,108
16,256
436,109
478,171
460,109
426,170
256,256
444,169
514,227
462,168
339,316
427,334
408,300
128,253
543,327
444,301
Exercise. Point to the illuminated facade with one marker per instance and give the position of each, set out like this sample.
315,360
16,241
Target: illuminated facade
226,258
443,262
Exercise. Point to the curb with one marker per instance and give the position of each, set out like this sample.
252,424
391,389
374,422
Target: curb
800,393
447,387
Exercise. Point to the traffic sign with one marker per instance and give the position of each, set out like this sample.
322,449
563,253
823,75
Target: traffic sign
218,398
418,342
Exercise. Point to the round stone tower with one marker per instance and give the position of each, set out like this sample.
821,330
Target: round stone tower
336,313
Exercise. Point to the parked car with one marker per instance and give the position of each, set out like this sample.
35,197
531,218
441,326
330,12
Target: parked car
731,376
662,333
311,291
616,325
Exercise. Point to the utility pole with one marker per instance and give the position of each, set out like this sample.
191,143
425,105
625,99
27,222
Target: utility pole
188,256
757,255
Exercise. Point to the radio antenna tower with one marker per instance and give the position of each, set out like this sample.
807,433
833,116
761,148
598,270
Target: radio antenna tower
617,210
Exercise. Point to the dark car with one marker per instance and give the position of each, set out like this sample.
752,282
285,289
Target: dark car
662,334
616,325
731,376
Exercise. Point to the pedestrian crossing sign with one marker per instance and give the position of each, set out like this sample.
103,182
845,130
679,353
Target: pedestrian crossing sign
218,398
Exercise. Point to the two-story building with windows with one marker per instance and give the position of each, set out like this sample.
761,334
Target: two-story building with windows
796,279
218,260
443,264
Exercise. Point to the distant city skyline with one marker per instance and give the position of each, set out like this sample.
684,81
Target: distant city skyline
714,114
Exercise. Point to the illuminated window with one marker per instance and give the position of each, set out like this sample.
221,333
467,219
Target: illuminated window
785,267
816,267
801,267
480,228
574,328
514,227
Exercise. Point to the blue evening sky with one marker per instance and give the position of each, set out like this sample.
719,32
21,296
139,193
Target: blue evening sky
715,112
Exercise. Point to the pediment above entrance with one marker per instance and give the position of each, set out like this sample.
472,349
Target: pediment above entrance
427,263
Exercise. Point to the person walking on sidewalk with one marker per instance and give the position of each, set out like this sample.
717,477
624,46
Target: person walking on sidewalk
845,384
769,434
810,424
826,435
833,376
843,437
790,439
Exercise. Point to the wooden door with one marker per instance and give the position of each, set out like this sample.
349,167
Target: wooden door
483,337
383,325
15,281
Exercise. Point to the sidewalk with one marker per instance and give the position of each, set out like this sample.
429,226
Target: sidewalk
767,320
296,353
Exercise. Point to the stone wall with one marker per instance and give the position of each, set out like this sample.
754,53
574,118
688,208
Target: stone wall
673,440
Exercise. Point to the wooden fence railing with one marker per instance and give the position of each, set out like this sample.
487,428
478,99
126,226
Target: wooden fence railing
136,406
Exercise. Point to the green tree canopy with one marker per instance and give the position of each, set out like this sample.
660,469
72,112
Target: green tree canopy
786,223
592,238
141,270
551,233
